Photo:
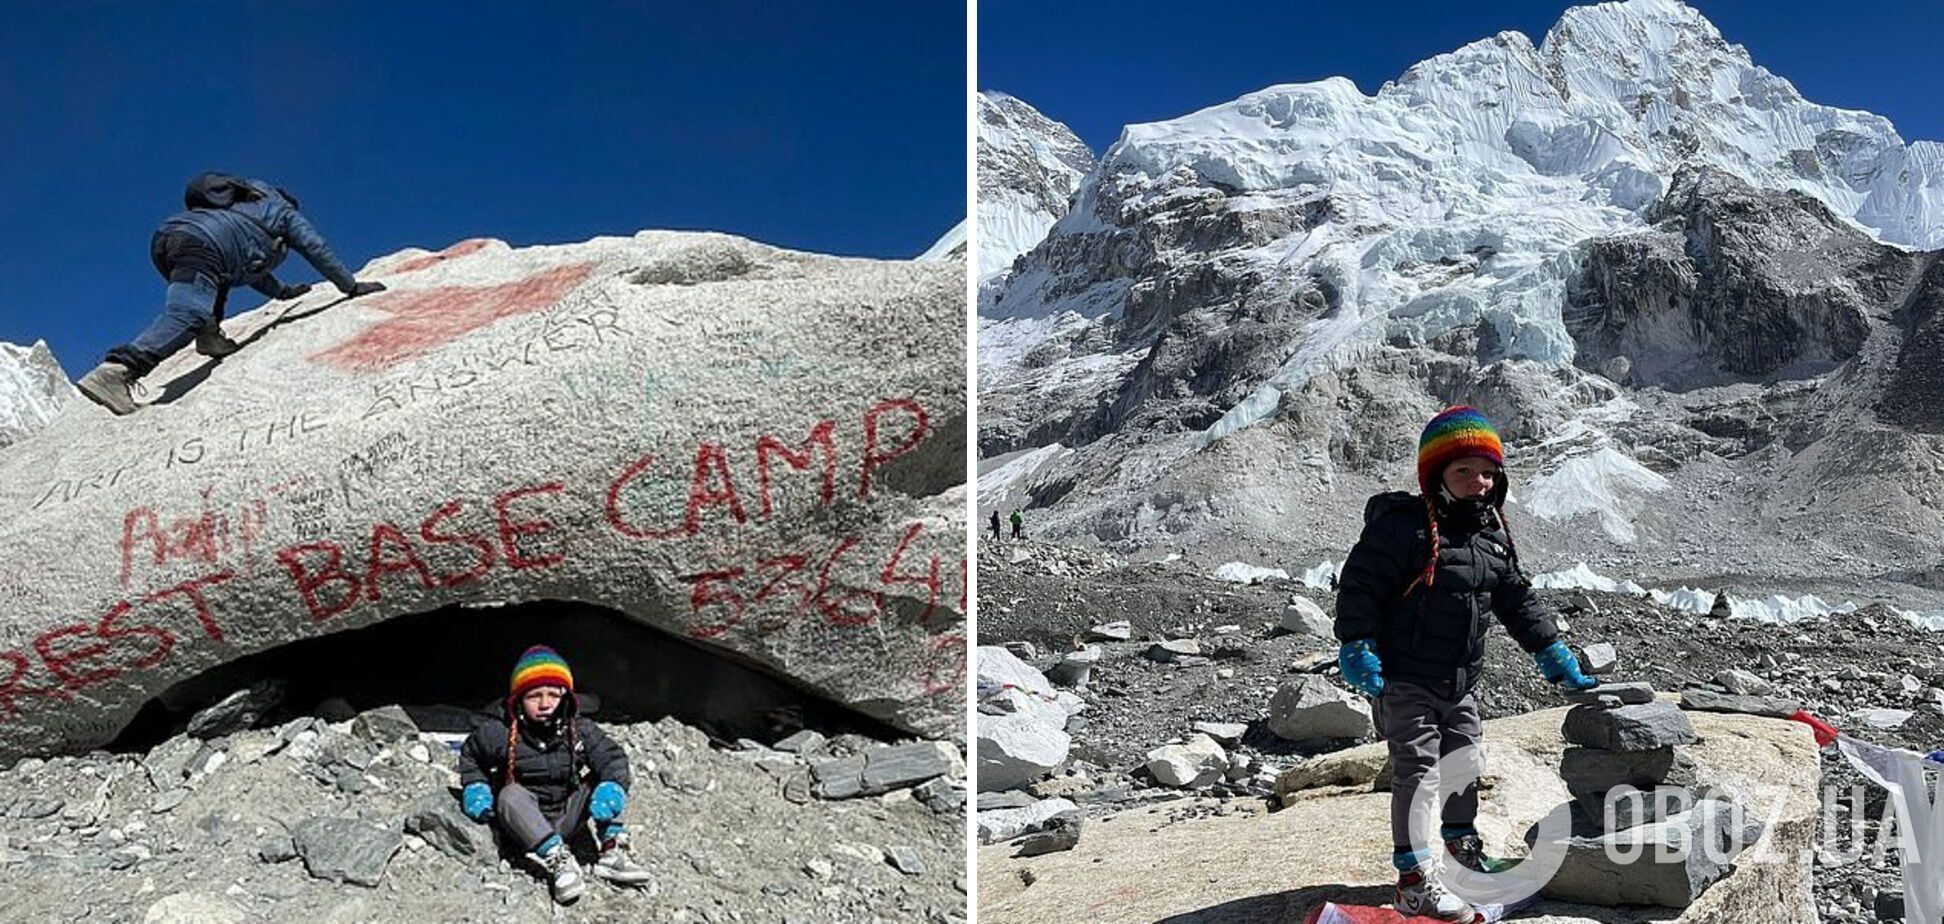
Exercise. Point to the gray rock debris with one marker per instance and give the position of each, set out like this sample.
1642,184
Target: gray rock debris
238,711
1309,707
1641,727
345,849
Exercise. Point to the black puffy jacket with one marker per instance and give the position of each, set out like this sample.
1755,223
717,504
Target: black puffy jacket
543,764
1436,636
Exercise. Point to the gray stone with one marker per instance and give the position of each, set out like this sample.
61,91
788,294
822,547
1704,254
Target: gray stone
1599,659
1668,863
436,818
1075,667
1119,630
940,796
1017,749
276,848
1590,772
902,765
803,742
905,860
1228,733
1886,719
1005,824
1174,650
623,334
1304,617
1010,799
167,801
349,781
1642,727
384,725
1198,763
1625,807
1710,701
1308,707
1062,832
194,908
345,849
168,763
1628,694
238,711
1024,651
839,778
1742,683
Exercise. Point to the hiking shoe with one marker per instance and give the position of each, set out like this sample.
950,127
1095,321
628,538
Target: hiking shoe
1469,851
618,867
1418,893
107,385
211,341
564,874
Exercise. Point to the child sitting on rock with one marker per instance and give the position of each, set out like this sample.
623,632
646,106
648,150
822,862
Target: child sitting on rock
1415,600
545,772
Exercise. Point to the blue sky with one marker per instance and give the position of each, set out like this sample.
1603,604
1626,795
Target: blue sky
835,127
1098,68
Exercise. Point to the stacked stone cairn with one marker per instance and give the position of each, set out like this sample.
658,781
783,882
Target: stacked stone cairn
1644,830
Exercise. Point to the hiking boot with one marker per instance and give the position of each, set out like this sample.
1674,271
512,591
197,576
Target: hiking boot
211,341
1421,893
564,871
618,867
1469,852
107,385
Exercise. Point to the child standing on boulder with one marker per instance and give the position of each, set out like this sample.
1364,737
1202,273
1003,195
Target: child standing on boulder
545,772
1414,602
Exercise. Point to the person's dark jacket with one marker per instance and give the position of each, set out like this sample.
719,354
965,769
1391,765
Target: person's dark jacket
543,764
1436,636
251,234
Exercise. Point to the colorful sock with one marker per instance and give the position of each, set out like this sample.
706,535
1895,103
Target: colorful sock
1454,832
1406,859
609,830
548,846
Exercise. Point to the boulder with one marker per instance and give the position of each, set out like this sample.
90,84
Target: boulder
1062,832
901,765
384,725
435,817
1075,667
1309,707
1015,750
1598,659
1628,728
1005,824
1174,650
647,424
1628,694
1197,763
1228,733
1742,683
345,849
1590,772
1306,618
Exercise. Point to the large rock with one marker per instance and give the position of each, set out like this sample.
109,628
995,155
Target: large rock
1199,762
759,450
1710,701
1006,824
1591,772
1624,693
436,818
345,849
1244,863
901,765
1669,863
1075,667
1022,722
1309,707
1304,617
1628,728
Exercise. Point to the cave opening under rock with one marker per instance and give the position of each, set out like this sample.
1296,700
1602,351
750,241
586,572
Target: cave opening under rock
450,665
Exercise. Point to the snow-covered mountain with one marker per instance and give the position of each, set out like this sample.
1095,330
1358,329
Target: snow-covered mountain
1029,166
1697,304
951,246
32,389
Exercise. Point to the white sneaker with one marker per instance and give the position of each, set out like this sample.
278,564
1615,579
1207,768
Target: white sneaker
1419,892
566,881
618,867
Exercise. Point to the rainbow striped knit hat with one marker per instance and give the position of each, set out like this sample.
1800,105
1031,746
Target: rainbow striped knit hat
1457,432
540,666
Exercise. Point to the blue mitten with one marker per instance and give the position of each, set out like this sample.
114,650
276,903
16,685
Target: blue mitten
1361,668
607,802
1559,665
477,801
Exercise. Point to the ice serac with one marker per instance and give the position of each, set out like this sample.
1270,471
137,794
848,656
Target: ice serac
1029,166
32,389
757,449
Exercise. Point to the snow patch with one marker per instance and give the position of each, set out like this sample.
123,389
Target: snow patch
1323,576
1597,482
1243,573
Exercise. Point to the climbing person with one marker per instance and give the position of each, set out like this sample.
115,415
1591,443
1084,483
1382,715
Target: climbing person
545,772
1018,525
995,524
233,231
1415,600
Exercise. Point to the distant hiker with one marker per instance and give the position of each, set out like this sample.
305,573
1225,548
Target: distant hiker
235,232
995,524
545,772
1413,631
1018,524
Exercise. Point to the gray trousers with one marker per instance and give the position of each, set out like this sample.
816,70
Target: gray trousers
521,816
1421,726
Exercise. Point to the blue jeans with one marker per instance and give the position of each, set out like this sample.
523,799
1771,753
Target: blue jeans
194,298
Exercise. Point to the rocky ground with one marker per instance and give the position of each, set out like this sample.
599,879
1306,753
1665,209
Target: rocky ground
357,821
1871,674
